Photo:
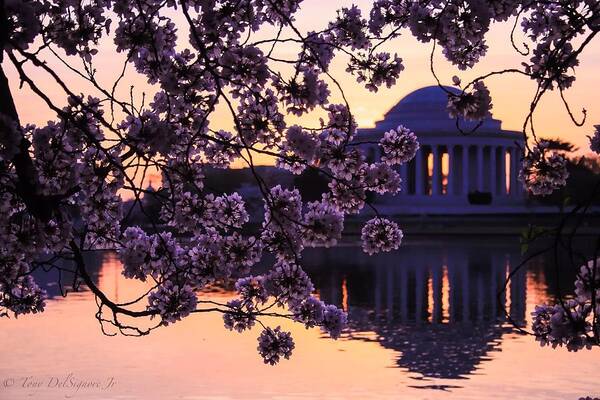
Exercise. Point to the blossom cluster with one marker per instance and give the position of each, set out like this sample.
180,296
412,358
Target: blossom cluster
472,106
148,255
240,316
322,224
376,69
543,171
172,302
564,324
380,234
62,184
398,146
570,322
274,344
22,296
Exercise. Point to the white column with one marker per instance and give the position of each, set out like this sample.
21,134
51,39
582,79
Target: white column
518,156
404,177
502,172
480,168
513,171
436,181
493,175
451,172
419,176
465,169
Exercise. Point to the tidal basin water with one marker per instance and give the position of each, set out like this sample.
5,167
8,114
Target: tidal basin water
426,322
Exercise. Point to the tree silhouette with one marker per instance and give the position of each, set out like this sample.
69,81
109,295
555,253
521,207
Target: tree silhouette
202,57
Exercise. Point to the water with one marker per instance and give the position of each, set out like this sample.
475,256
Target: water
425,323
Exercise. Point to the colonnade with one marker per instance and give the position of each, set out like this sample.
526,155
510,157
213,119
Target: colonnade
469,168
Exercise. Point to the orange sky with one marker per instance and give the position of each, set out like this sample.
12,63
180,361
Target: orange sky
511,93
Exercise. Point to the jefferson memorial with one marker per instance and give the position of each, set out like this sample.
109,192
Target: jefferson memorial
470,172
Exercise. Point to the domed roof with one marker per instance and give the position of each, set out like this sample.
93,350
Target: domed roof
425,111
427,95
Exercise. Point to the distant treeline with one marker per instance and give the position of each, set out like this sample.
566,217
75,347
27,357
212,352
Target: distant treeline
584,175
311,184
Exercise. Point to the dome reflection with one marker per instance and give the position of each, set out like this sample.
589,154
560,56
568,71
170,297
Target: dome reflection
441,306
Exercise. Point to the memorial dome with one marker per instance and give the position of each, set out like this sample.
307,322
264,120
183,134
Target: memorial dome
458,170
425,112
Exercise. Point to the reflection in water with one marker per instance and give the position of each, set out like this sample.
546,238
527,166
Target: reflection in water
94,261
441,306
429,309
